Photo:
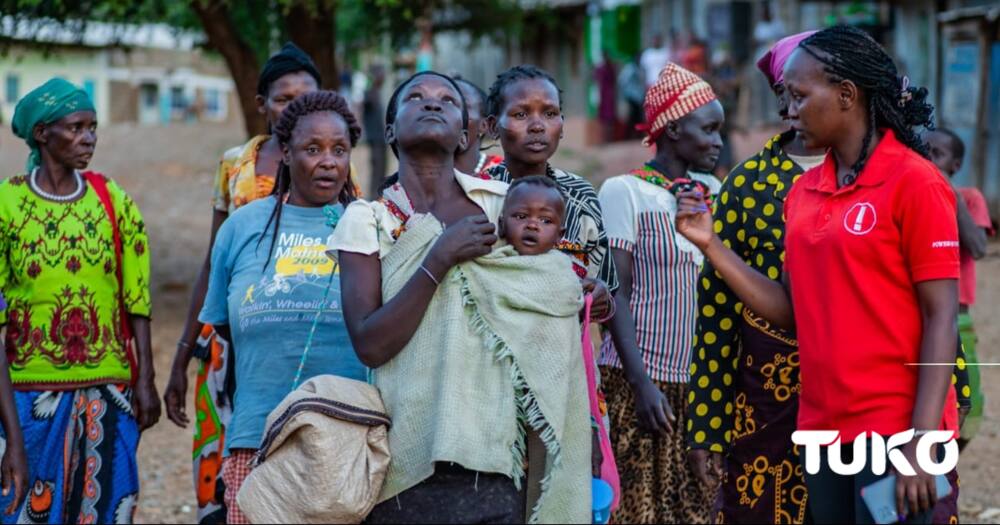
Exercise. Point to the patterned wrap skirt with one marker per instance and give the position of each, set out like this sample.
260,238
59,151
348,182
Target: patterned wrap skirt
763,481
213,407
81,447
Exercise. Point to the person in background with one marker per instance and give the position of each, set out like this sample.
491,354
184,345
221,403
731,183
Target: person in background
246,173
372,113
947,151
607,107
473,160
632,86
654,59
77,321
658,272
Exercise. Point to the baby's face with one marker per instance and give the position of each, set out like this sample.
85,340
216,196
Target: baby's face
532,218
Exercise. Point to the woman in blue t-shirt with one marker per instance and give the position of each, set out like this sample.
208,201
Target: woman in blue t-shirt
270,275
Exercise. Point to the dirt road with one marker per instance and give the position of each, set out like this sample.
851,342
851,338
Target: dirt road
169,173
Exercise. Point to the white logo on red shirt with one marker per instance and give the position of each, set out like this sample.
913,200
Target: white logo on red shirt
860,219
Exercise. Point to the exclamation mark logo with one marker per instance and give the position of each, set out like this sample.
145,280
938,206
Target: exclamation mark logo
860,219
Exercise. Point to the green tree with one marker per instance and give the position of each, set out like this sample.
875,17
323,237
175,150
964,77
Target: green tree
245,32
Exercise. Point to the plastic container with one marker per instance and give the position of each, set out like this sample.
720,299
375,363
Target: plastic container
601,497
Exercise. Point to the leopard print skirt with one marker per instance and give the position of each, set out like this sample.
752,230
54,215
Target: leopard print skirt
657,485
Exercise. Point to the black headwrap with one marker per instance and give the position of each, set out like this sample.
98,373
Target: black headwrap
290,59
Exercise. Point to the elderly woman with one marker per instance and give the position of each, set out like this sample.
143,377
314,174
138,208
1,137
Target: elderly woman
74,268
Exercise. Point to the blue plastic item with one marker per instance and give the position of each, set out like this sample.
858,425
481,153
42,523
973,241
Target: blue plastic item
601,497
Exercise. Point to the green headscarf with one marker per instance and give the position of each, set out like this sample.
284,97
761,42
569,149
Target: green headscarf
46,104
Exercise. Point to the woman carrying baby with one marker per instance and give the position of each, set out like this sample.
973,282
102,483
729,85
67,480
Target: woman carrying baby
462,381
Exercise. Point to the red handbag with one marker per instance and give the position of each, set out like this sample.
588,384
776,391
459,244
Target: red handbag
100,185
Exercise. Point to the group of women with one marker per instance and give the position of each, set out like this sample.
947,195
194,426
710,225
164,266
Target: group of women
819,339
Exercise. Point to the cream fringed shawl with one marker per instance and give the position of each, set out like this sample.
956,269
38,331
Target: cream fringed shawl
497,351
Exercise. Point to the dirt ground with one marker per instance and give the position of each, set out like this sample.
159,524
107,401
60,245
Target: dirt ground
169,172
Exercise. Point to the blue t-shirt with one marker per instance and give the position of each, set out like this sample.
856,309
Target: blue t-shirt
270,312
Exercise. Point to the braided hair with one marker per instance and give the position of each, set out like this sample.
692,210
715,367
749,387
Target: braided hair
848,53
303,105
495,100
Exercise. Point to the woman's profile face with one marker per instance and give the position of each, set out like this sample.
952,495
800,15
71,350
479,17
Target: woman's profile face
815,108
429,111
71,140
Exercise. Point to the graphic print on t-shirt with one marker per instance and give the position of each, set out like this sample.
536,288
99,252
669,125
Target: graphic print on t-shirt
300,261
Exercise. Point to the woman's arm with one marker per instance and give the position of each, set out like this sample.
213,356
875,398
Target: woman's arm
938,301
380,331
175,395
147,401
971,236
14,466
652,407
765,297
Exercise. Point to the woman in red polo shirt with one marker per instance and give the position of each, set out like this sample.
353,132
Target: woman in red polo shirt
871,272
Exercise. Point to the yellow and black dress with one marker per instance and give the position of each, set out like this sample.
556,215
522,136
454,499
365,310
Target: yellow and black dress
744,388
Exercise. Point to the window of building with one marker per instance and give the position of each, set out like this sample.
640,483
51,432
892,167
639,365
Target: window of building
13,88
213,105
178,101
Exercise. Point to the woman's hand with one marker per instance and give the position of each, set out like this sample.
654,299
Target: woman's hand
175,396
146,403
706,466
601,305
14,470
464,240
653,410
915,494
694,219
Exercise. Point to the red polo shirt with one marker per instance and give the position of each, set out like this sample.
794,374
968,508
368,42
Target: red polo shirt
854,255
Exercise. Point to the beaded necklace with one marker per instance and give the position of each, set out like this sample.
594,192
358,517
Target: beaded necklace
654,176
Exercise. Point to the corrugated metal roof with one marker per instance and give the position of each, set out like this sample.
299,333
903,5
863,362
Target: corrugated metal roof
98,34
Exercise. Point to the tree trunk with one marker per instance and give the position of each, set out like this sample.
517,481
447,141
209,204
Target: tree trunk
240,59
313,28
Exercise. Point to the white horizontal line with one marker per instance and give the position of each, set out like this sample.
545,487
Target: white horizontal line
951,364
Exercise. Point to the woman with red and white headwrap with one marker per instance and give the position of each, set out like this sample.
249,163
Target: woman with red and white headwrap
658,272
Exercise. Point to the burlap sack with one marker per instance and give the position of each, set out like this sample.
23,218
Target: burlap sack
323,458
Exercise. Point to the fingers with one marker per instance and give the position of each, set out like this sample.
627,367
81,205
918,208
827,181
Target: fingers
928,494
717,466
913,497
901,501
668,411
177,415
5,478
661,425
697,460
19,490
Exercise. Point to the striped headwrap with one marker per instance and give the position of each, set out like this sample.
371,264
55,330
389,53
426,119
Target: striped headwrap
676,93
